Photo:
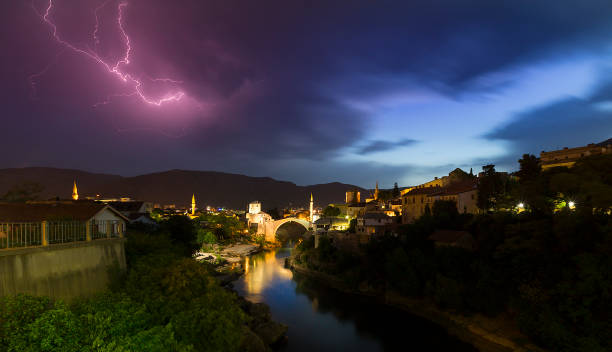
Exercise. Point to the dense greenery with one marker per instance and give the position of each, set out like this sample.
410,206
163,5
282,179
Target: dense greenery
165,302
331,211
23,192
219,228
549,267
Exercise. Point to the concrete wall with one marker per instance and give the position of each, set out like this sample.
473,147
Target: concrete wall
63,271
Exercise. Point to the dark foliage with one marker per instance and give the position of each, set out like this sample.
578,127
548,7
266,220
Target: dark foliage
549,267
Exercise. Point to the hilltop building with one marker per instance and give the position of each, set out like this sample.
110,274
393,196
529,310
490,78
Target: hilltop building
458,186
568,156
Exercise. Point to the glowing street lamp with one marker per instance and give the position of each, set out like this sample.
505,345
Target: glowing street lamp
521,205
571,204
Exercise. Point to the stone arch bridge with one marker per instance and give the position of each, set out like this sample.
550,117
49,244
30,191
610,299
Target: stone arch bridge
269,227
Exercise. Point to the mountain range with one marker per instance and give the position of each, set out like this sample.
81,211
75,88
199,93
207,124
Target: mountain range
176,187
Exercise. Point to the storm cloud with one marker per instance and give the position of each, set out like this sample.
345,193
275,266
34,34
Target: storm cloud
279,82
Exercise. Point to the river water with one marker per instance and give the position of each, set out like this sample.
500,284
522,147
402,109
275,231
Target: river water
322,319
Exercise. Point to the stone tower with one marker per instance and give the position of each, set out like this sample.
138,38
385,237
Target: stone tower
75,193
376,192
311,208
193,204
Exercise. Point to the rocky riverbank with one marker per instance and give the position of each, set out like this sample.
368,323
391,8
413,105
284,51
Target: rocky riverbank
486,334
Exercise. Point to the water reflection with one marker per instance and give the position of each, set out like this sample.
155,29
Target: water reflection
263,271
322,319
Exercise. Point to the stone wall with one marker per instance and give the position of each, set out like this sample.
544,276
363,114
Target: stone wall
63,271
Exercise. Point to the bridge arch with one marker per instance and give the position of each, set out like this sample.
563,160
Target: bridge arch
278,223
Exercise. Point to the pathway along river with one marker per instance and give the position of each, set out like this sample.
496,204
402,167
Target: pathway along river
321,319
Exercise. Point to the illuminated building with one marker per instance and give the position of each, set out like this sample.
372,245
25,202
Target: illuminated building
458,187
373,223
353,196
255,207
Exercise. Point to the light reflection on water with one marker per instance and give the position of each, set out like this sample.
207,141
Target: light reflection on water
321,319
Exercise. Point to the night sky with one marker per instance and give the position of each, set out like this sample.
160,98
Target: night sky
304,91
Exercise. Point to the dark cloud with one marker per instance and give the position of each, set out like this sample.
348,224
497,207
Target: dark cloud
381,146
570,122
270,77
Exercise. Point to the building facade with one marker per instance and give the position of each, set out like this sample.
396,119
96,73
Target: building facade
568,156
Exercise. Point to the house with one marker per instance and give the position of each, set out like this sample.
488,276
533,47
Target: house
458,186
463,193
373,223
70,217
452,238
134,210
142,218
416,201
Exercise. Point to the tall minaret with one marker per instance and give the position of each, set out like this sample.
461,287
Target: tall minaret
193,204
376,192
75,194
311,207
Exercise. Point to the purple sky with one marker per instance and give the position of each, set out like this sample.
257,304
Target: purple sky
304,91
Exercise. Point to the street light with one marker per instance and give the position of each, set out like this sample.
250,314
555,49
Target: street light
571,204
521,205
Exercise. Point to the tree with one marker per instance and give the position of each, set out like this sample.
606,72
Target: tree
529,168
396,191
352,226
23,192
489,187
331,211
182,232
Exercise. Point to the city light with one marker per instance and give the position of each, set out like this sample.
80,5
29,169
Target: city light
521,205
571,204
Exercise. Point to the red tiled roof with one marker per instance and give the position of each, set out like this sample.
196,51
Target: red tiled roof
23,212
423,190
457,188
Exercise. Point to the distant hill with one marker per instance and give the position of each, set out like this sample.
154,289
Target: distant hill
176,186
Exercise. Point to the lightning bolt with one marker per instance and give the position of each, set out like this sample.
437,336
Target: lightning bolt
117,69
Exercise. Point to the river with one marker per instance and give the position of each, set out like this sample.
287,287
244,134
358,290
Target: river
322,319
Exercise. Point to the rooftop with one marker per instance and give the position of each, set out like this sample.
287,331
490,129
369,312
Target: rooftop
26,212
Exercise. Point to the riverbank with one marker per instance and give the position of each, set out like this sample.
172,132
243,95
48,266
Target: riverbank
261,333
486,334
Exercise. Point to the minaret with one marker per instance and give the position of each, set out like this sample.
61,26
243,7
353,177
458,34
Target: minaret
376,192
75,194
193,205
311,207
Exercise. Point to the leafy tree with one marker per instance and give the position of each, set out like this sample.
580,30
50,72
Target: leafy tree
182,232
352,226
331,211
445,213
23,192
529,168
489,187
